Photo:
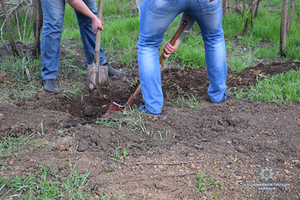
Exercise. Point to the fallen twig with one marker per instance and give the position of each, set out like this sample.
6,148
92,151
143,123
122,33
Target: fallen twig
93,187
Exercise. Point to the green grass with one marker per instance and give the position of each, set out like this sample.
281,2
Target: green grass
207,186
280,89
45,184
10,146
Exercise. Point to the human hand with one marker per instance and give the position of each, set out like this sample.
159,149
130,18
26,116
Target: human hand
169,49
97,24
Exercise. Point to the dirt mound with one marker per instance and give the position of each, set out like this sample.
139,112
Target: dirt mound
230,142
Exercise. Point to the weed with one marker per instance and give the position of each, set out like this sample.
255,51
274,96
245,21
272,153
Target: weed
116,155
191,102
45,184
124,152
9,145
203,183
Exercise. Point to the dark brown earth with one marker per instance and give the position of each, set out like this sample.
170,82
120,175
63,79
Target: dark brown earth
231,142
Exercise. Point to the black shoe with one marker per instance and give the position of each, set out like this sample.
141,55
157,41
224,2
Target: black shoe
112,71
50,85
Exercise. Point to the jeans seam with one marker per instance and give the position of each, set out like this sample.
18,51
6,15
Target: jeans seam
204,11
167,14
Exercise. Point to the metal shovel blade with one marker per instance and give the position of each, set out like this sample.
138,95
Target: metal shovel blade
114,107
92,77
102,74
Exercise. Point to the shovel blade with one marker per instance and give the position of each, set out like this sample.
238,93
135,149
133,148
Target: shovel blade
92,77
102,74
114,107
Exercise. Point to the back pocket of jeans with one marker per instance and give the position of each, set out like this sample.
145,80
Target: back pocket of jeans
160,8
208,7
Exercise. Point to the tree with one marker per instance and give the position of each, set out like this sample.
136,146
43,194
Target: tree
283,28
37,25
291,13
10,35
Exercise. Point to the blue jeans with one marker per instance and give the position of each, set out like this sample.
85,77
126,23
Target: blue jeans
156,16
53,12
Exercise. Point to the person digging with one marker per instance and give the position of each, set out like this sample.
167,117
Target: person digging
88,22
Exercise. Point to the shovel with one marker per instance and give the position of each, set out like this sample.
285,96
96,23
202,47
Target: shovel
97,74
116,107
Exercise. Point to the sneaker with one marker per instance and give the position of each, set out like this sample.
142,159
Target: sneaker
50,85
112,71
144,109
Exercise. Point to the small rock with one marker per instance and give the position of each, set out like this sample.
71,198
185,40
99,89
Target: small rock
160,185
83,146
235,141
238,177
229,142
228,166
164,119
53,149
286,171
160,167
241,148
1,115
193,166
11,163
154,119
296,161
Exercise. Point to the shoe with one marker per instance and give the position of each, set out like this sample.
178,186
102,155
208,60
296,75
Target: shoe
144,109
112,71
50,85
223,99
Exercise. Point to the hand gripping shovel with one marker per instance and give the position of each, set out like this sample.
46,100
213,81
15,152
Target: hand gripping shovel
97,74
116,107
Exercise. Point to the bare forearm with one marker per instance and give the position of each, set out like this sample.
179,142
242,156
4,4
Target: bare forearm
80,6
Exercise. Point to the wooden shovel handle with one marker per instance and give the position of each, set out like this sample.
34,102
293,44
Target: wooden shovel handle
174,38
98,35
161,58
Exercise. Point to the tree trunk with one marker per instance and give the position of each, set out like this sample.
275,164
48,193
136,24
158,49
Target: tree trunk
256,9
291,13
37,25
232,6
297,11
283,28
225,6
10,35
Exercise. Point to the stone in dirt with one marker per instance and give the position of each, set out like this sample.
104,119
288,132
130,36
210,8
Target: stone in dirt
83,146
241,149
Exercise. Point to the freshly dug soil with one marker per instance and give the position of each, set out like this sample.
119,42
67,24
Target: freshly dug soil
231,142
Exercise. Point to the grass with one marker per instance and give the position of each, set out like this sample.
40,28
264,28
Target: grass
189,101
10,146
208,181
280,89
119,39
45,184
